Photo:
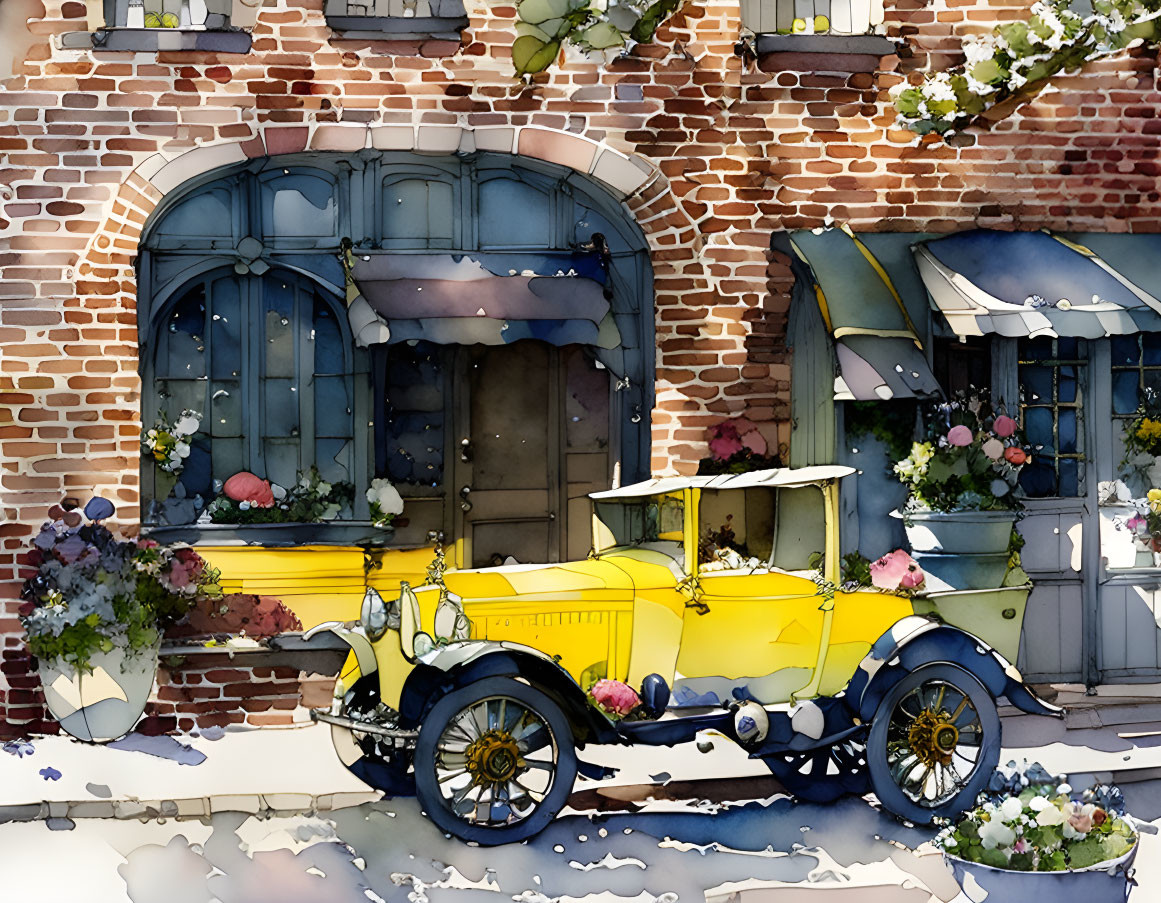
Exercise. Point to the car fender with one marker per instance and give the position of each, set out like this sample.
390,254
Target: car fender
455,665
915,641
363,651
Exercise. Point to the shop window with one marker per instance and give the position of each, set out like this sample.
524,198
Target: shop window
1052,375
266,363
962,366
762,529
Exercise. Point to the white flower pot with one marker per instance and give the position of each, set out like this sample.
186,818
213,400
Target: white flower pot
1105,882
959,532
104,703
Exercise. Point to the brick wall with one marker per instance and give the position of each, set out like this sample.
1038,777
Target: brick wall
738,154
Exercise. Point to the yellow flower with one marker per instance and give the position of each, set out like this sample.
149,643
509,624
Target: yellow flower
921,453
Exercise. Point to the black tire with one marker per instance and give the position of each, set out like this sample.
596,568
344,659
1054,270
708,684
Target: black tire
903,774
447,787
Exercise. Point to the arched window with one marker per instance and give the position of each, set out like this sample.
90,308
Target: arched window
267,363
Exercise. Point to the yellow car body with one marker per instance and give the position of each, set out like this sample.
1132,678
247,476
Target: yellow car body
765,633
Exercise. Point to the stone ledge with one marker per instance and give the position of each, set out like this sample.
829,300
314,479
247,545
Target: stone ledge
395,28
160,40
821,52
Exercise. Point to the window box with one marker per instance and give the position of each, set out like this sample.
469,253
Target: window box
817,35
135,26
331,533
397,20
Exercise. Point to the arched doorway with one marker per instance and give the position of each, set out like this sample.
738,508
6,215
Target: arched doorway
493,436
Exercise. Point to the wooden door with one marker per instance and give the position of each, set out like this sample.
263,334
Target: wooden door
532,441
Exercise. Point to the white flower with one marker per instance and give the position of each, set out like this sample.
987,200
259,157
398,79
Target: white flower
1049,816
978,50
938,87
1016,80
1064,789
324,488
995,833
1037,803
1011,808
187,424
386,496
181,449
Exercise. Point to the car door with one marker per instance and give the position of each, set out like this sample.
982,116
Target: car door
756,619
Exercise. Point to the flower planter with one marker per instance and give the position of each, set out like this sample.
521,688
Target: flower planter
960,571
1105,882
959,532
104,703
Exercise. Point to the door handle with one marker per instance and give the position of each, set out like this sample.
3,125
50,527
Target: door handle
466,450
465,505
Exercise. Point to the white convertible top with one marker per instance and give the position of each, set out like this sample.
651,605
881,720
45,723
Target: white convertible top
779,477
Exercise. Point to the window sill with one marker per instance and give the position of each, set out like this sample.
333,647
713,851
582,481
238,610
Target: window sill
821,52
396,28
159,40
346,533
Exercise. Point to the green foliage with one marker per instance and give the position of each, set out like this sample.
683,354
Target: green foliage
891,422
544,26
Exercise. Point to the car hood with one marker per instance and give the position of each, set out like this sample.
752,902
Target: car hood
614,574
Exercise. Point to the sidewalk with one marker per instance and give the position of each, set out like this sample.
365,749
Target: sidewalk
295,770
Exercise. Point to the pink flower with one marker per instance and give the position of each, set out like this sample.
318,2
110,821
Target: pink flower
144,544
1082,824
1020,846
178,577
1015,455
994,449
896,570
617,697
246,487
959,435
1004,426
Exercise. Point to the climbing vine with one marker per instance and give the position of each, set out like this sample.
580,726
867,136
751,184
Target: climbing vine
544,26
1017,57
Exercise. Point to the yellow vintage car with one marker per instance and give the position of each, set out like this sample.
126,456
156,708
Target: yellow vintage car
713,602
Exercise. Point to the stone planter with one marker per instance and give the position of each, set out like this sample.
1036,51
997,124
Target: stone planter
959,571
959,532
104,703
1106,882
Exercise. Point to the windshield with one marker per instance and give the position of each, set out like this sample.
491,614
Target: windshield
637,521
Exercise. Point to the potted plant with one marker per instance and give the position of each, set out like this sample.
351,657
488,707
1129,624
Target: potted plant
737,446
1143,441
94,613
1032,838
1145,524
168,445
963,483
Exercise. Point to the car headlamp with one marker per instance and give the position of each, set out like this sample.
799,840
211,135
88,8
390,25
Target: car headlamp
422,644
374,615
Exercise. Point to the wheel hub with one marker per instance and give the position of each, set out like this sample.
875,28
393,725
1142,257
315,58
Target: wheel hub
493,758
933,737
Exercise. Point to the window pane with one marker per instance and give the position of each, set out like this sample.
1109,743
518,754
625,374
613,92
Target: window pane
328,340
280,408
181,347
226,409
1069,481
332,406
299,205
1067,348
197,476
513,214
1125,391
1036,383
1066,387
1067,428
177,395
226,330
278,335
1151,349
281,458
333,459
227,455
419,209
1124,350
414,414
1039,428
1039,479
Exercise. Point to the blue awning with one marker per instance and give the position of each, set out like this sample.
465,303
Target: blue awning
485,299
878,350
1042,284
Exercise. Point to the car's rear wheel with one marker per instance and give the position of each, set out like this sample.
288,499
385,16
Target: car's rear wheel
494,762
934,743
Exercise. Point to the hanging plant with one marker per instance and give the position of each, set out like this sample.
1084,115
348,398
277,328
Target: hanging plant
544,26
1018,57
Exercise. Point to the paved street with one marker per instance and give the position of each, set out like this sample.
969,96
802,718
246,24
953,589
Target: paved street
674,851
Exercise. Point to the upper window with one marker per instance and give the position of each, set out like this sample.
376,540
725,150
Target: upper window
1052,375
397,19
145,25
266,363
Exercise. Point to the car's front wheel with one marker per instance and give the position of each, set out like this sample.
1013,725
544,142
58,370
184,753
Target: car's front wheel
494,762
934,743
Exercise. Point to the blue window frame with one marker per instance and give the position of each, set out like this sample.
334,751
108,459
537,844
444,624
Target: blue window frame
1053,382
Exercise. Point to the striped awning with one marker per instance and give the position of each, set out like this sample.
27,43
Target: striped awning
880,355
478,299
1042,284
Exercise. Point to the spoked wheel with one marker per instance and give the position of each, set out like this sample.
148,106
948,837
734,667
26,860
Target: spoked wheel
934,743
495,762
823,775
